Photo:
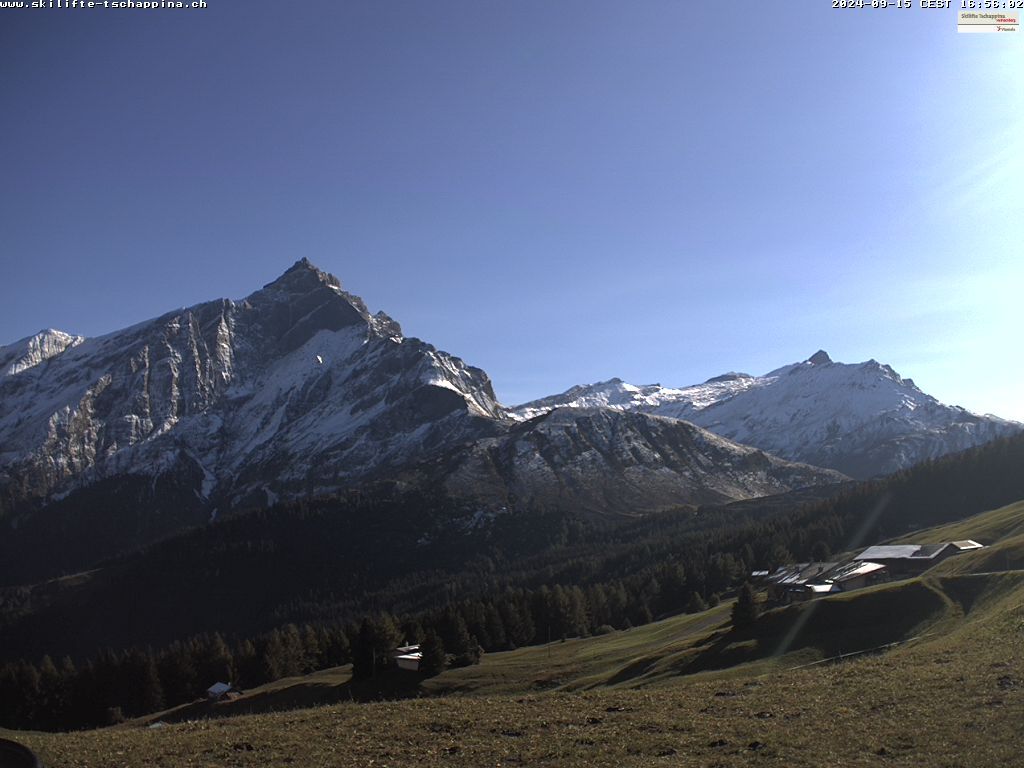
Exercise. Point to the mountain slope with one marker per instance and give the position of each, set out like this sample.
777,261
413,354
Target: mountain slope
862,420
602,460
243,391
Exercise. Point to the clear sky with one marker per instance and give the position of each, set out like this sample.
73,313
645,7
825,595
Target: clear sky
557,191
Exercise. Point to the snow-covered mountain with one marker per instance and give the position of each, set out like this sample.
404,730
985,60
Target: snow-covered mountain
290,391
861,419
297,390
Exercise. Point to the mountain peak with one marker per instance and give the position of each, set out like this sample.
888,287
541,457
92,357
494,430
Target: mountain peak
819,358
303,276
30,351
730,376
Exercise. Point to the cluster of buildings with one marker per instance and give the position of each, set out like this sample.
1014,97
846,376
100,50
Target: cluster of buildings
805,581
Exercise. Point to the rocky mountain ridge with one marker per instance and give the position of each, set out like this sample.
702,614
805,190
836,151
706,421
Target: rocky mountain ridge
860,419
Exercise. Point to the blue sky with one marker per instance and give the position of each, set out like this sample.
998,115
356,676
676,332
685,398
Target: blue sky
558,192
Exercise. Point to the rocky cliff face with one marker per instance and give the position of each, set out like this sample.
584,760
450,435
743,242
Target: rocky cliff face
295,389
600,460
861,419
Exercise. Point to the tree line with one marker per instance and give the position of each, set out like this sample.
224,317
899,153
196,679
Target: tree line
116,685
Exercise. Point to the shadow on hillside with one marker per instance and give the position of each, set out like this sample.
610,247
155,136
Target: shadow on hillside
832,627
633,670
386,686
974,591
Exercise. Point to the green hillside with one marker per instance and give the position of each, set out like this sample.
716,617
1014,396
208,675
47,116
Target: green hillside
704,645
990,527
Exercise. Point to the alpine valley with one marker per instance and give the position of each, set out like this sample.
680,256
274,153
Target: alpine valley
297,391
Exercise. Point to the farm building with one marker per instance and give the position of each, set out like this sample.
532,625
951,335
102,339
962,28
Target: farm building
914,558
408,657
857,575
221,691
787,579
803,592
806,581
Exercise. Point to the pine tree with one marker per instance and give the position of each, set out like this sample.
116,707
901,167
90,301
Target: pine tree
696,603
151,693
518,621
597,602
496,629
214,660
293,653
434,657
579,622
27,704
272,656
746,609
247,664
377,638
412,631
337,649
65,696
312,653
475,615
178,675
820,552
49,695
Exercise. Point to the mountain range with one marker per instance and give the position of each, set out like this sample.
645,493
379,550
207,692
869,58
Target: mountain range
109,443
860,419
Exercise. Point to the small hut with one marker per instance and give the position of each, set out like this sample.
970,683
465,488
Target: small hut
220,692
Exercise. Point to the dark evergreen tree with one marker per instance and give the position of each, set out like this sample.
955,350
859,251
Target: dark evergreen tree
50,705
517,618
376,641
214,661
412,631
337,650
696,603
820,552
273,656
746,609
178,676
434,656
147,693
247,664
495,629
312,653
293,652
578,621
